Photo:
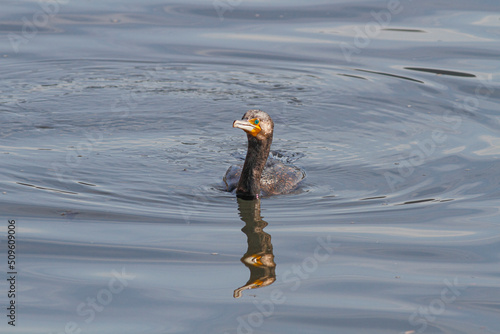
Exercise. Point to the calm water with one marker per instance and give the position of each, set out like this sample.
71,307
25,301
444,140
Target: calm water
116,132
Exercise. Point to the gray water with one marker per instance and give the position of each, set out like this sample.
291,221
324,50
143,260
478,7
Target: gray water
116,132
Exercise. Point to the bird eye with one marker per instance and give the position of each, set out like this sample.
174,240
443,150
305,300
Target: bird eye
256,122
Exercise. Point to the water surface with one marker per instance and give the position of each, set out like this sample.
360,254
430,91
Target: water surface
116,132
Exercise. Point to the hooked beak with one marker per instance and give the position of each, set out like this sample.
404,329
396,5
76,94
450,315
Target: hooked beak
247,126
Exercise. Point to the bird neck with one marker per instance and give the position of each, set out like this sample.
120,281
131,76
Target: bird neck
258,151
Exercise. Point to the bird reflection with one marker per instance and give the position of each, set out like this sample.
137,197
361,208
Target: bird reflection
259,257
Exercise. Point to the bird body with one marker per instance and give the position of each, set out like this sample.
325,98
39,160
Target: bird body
260,175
